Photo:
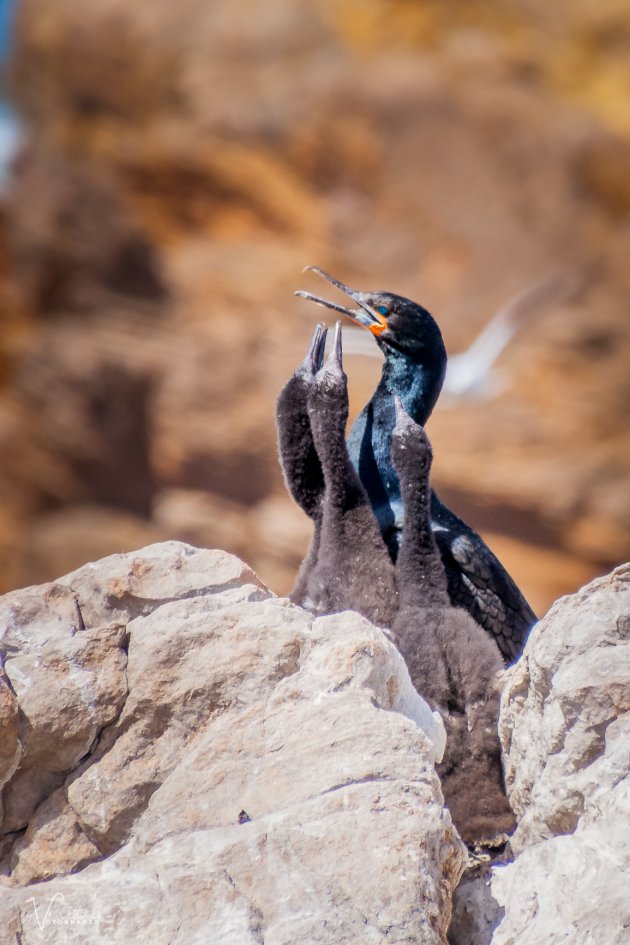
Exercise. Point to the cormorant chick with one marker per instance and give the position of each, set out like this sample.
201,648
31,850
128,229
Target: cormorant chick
300,464
413,370
451,660
352,568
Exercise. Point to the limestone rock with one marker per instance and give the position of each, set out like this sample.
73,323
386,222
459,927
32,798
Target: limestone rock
564,711
565,729
210,763
69,682
10,748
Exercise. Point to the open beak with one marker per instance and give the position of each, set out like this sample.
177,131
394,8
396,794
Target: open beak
365,315
315,354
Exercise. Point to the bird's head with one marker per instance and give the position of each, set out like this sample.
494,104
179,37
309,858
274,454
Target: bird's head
398,324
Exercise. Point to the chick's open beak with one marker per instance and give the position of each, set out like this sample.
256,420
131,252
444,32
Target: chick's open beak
365,315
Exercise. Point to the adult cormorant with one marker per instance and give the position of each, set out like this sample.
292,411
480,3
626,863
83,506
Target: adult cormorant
413,370
451,660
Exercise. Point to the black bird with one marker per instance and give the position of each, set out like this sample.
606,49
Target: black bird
300,463
348,566
413,370
451,660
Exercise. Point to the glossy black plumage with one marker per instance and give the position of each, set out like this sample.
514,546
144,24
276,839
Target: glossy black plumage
414,368
478,582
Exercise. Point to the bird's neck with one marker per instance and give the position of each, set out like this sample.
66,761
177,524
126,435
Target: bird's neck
417,384
420,573
341,482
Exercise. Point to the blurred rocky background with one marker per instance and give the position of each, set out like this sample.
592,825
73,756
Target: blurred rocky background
181,162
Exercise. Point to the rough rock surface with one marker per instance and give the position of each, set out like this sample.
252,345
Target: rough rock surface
187,758
564,720
565,729
210,764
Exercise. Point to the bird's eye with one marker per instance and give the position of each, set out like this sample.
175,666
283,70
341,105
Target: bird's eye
382,310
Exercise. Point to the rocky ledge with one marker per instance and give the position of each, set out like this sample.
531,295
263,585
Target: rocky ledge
186,758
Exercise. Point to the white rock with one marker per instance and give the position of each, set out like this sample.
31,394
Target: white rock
260,775
558,707
565,728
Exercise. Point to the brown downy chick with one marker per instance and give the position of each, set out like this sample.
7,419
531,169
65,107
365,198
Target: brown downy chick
353,569
451,660
300,464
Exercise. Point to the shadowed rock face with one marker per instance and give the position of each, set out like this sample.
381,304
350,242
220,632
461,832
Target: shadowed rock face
185,734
